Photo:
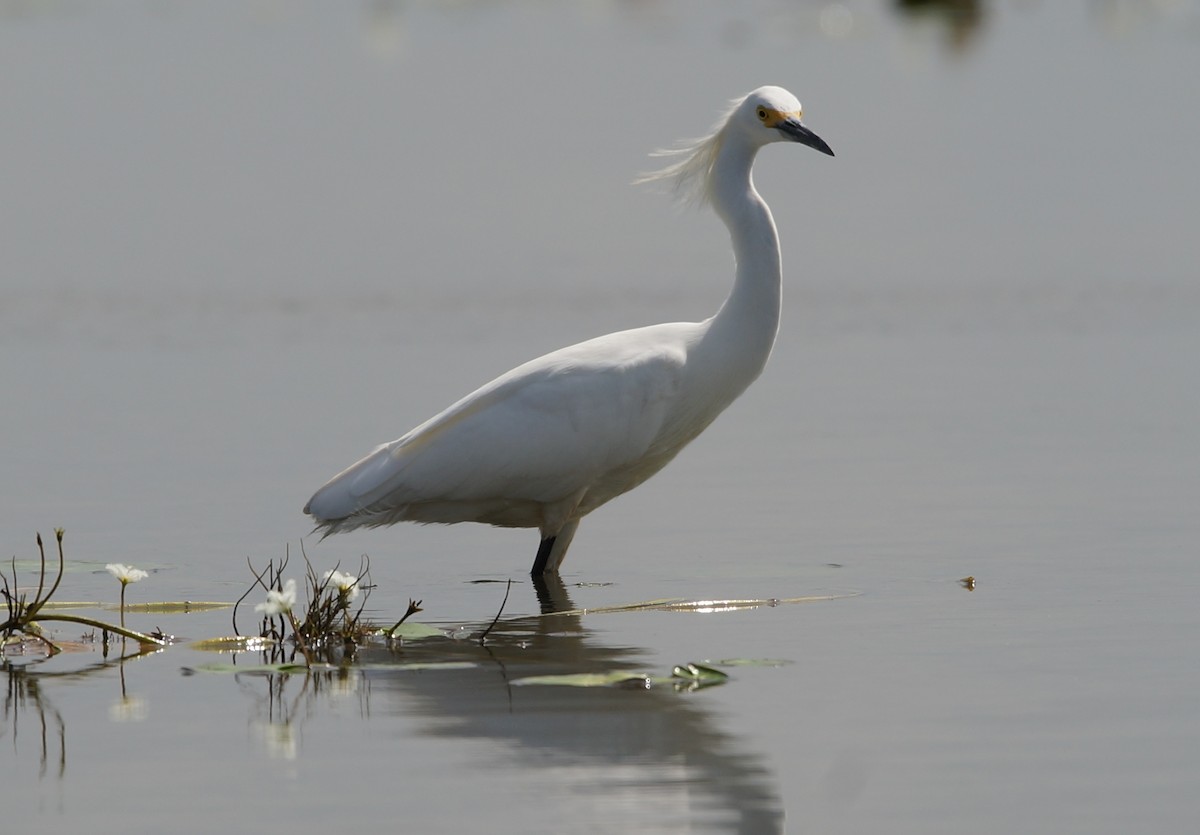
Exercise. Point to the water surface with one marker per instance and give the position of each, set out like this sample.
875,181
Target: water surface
245,244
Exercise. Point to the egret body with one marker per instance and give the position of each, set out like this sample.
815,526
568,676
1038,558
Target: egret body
552,440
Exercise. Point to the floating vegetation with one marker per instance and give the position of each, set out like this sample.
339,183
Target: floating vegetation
272,669
324,624
25,615
420,665
612,678
259,669
329,620
689,677
233,643
181,607
674,604
317,625
414,606
414,631
699,675
749,662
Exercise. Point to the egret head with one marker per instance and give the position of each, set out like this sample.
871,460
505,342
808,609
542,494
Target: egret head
772,114
769,114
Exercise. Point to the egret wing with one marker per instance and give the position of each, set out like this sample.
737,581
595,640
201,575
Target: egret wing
545,430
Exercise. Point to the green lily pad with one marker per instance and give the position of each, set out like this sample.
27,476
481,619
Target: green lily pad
699,674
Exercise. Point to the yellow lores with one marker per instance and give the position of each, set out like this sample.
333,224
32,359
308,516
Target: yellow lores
772,118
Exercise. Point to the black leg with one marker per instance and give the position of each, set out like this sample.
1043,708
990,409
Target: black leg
543,554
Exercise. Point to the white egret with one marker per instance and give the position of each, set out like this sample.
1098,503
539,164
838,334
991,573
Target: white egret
552,440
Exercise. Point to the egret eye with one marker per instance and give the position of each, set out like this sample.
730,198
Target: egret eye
762,114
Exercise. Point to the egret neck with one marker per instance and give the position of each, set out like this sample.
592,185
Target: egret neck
741,334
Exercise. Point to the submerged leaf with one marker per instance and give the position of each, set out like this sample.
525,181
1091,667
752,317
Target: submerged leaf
181,607
614,678
257,669
749,662
678,604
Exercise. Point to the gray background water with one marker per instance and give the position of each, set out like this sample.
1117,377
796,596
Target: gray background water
243,243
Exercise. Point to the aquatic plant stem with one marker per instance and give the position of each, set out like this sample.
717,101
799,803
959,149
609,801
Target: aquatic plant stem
101,625
414,606
308,659
38,601
496,619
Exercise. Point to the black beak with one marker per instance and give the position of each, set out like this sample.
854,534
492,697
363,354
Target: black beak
793,129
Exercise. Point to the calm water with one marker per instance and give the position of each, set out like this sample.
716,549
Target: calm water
243,244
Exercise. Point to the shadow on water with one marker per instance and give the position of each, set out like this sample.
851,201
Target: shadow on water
652,747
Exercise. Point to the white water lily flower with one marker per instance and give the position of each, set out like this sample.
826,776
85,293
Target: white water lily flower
126,573
279,602
347,584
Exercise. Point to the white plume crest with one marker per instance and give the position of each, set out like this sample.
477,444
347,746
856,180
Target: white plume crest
688,177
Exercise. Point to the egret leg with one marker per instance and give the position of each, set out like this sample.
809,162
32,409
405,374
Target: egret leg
553,548
543,554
